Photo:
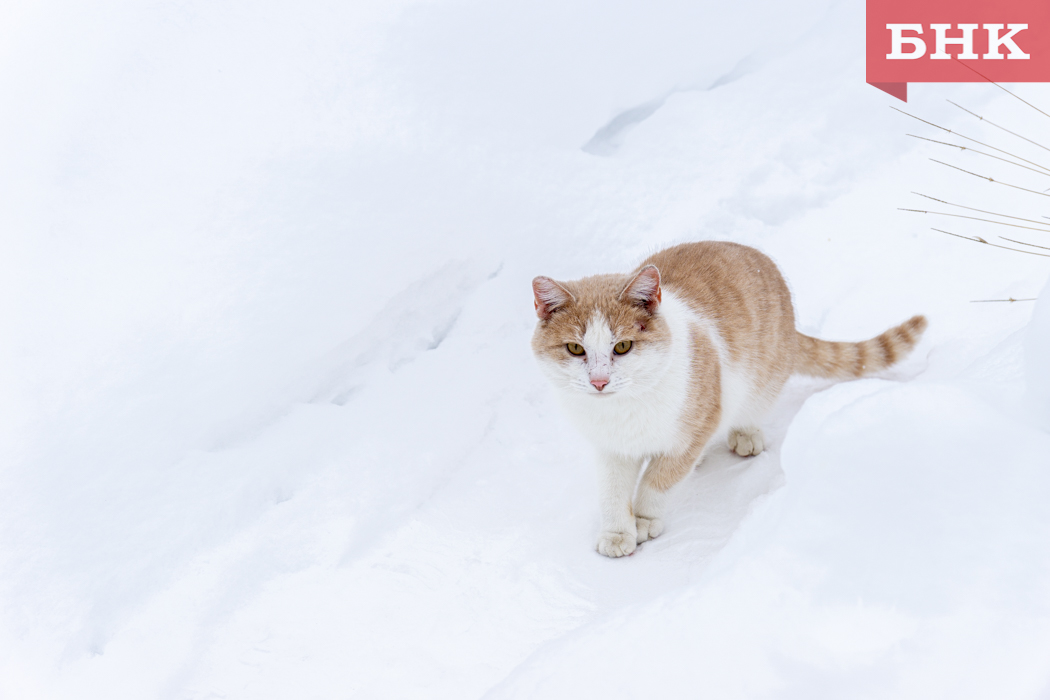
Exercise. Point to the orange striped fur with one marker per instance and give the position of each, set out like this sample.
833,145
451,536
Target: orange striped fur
836,360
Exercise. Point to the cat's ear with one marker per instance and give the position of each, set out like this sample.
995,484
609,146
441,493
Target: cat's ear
644,289
550,296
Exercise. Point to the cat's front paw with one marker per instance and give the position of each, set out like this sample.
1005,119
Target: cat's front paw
648,528
746,441
616,544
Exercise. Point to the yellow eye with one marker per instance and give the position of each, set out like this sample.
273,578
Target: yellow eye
623,347
574,349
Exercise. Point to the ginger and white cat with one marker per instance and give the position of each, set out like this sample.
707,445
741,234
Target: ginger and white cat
658,364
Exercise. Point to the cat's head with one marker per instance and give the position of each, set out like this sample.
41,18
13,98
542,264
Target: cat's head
601,335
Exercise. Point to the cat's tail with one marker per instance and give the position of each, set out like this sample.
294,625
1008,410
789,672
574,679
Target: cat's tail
825,358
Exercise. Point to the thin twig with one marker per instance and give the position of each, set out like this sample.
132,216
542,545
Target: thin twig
1000,127
999,86
974,150
989,179
981,143
1023,243
974,218
985,301
983,211
978,239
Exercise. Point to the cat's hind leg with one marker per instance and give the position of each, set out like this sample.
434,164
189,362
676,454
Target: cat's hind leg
745,437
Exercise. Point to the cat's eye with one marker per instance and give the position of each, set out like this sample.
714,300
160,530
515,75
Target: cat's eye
574,349
623,347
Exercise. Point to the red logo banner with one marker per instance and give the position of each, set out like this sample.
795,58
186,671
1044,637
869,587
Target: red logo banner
956,41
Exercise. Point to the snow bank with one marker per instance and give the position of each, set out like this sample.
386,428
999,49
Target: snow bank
897,562
1037,357
270,423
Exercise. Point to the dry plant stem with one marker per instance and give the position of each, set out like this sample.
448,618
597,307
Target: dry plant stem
1043,247
969,67
974,150
990,179
980,143
1012,133
978,239
973,218
986,301
983,211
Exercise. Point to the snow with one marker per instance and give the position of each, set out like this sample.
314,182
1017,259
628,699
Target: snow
270,426
1037,350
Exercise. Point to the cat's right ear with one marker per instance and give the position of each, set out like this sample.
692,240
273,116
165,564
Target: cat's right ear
644,289
549,296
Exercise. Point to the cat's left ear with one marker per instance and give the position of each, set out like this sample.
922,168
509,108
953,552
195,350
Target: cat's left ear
644,289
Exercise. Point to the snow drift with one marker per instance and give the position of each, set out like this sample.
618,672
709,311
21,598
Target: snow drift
271,427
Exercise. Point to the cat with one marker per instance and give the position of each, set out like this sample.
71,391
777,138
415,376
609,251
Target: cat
690,348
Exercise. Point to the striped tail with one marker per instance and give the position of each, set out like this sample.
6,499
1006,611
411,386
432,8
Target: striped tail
824,358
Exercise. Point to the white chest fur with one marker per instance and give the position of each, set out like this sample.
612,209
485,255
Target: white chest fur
642,421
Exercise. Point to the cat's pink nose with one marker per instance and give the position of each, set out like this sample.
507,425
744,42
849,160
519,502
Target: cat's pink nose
600,382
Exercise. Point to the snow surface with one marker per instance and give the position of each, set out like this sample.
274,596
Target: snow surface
270,426
1037,358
